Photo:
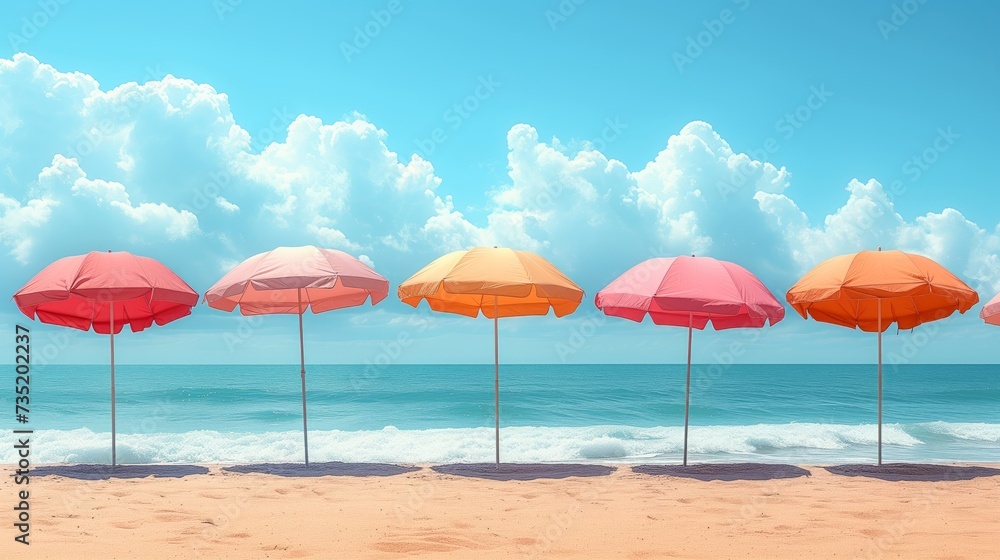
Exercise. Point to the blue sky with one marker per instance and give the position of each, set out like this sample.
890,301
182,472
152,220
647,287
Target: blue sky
863,124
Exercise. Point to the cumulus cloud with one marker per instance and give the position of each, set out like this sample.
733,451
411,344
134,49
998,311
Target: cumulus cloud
226,206
17,220
869,219
164,168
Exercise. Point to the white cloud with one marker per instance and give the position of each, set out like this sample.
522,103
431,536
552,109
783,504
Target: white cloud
169,169
18,223
869,220
332,237
157,217
175,224
225,205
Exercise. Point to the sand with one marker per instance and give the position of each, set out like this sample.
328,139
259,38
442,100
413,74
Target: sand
382,511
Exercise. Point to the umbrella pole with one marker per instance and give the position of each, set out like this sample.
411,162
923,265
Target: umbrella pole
302,361
114,461
496,374
879,382
687,388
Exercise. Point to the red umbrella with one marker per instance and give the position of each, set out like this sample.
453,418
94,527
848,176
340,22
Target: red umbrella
690,292
105,292
292,280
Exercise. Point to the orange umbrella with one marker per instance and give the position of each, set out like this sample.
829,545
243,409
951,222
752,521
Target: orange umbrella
871,290
497,282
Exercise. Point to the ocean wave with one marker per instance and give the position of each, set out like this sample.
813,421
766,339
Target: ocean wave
518,444
968,431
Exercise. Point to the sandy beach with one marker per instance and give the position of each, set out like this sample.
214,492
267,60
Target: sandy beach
575,511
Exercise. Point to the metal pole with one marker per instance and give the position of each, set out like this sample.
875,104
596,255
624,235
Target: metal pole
302,358
114,460
879,301
687,387
496,373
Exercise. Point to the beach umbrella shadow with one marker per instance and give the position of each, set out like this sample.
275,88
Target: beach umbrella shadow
520,471
106,472
334,468
898,472
724,471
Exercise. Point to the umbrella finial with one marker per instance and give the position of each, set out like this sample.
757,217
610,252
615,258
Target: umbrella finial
109,250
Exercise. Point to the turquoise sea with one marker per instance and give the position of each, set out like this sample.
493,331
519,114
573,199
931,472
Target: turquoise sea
444,413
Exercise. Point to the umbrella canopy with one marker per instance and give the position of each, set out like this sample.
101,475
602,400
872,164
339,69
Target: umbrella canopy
291,280
690,292
991,311
105,292
871,290
851,291
497,283
80,292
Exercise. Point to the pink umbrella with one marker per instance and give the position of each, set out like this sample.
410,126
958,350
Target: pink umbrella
690,292
293,279
991,311
89,291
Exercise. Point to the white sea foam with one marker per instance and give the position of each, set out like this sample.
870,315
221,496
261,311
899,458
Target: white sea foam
518,444
971,431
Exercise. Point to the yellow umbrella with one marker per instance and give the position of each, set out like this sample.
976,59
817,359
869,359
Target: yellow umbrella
498,283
